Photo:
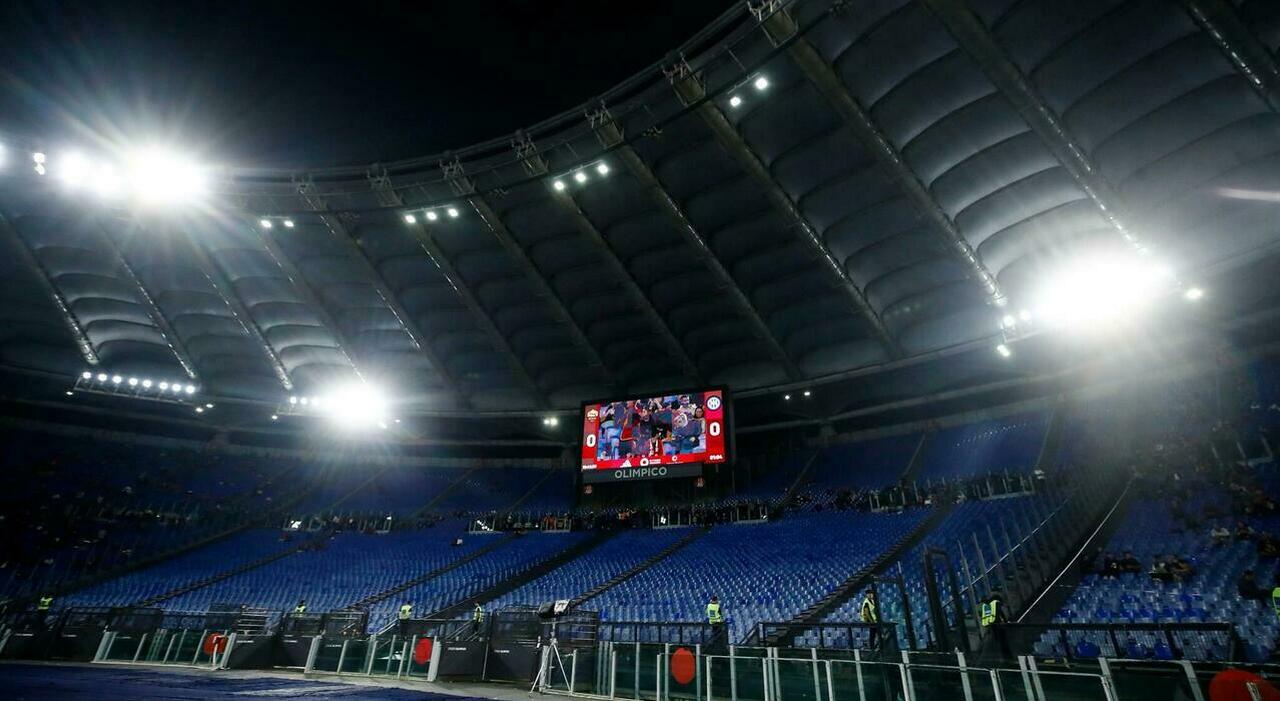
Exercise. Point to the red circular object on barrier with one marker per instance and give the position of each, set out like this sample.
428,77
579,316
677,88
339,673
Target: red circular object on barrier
215,642
1230,685
683,665
422,651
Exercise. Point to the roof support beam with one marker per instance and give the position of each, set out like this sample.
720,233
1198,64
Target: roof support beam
610,134
148,302
1251,57
780,28
316,203
28,257
227,292
309,297
976,40
536,165
387,194
464,187
691,92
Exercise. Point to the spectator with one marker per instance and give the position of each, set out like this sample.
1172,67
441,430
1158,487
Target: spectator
1268,546
1181,569
1243,531
1160,570
1129,564
1247,587
1110,566
1220,535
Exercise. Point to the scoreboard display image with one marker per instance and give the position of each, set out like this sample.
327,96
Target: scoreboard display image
666,435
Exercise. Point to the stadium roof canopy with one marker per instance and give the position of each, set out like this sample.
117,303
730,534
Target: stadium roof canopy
854,194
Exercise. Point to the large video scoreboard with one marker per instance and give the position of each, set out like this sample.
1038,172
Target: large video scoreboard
666,435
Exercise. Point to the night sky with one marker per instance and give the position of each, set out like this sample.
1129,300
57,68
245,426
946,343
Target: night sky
294,83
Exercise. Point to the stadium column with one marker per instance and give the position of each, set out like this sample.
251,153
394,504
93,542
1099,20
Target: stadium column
464,187
536,165
170,337
386,193
693,95
316,203
972,36
610,134
1250,56
782,30
227,292
24,254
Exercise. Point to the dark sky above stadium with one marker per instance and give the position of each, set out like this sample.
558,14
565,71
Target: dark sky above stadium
287,83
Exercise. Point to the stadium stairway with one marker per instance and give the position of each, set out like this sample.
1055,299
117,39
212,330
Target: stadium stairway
794,488
453,486
599,589
432,574
917,458
858,580
226,574
520,579
532,490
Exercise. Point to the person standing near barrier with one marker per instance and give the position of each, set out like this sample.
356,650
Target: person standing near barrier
405,613
301,607
992,615
477,619
43,605
715,617
867,613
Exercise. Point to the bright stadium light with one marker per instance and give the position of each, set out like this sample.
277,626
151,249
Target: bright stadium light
159,177
304,401
102,377
275,417
265,223
73,169
209,405
1193,294
602,168
356,405
1004,351
786,397
580,177
86,375
1008,321
808,393
164,386
133,382
432,216
39,158
735,102
146,384
558,185
761,83
116,379
191,389
410,219
453,212
105,182
288,223
199,410
1099,291
1025,315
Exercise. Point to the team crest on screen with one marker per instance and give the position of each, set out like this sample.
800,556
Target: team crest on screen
713,402
593,414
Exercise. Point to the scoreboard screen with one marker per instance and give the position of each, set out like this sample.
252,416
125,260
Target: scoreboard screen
667,435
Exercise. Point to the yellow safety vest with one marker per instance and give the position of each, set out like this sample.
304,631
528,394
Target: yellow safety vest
1275,600
406,610
713,613
45,603
868,612
478,615
988,612
300,608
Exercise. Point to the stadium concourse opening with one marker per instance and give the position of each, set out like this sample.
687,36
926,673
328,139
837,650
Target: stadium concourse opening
850,351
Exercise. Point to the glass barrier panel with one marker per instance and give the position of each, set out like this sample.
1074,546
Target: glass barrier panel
931,683
356,657
124,646
1063,686
1142,681
747,679
718,681
157,645
386,657
188,645
866,681
626,678
800,680
328,655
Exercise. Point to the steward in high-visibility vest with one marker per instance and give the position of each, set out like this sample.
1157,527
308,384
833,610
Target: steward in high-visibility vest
714,617
990,609
406,611
43,605
477,615
867,613
301,607
1275,600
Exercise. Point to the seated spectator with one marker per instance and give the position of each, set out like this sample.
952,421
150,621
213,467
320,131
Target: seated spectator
1129,564
1181,569
1220,535
1160,570
1268,546
1243,531
1247,587
1110,566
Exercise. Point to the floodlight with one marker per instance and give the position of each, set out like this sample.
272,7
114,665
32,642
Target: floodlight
73,169
735,102
38,157
432,216
275,417
558,185
102,377
1193,293
288,223
293,400
786,397
40,169
807,393
105,182
761,83
356,405
453,212
133,382
1099,290
70,393
383,425
146,384
1024,315
265,223
410,219
580,177
602,168
209,405
191,389
1003,350
1008,321
199,410
86,375
164,386
304,401
116,379
159,177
